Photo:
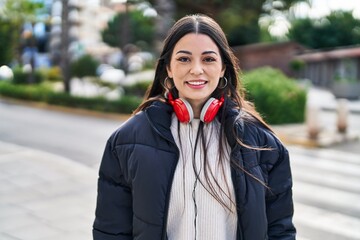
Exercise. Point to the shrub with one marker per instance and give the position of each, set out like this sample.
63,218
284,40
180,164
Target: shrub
137,89
21,77
85,66
278,98
297,65
24,92
52,74
126,104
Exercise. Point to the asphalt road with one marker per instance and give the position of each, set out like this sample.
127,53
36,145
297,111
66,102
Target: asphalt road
77,137
82,138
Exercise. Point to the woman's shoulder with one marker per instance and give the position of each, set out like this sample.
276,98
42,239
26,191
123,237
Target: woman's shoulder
137,120
269,148
142,126
254,132
128,129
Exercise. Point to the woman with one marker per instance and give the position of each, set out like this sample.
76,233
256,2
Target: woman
196,161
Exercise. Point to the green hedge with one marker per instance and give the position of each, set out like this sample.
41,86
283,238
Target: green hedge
24,92
21,77
137,89
126,104
278,98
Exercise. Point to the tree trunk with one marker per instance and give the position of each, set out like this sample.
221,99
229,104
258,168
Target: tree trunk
125,39
165,19
32,49
65,42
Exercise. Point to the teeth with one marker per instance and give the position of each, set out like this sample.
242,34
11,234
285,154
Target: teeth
197,83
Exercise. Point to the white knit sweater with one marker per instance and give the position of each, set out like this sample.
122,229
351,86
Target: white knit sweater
193,212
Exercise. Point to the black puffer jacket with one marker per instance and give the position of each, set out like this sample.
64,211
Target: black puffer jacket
138,166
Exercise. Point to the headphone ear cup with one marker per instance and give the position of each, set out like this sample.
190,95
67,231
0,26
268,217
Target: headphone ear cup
182,109
210,109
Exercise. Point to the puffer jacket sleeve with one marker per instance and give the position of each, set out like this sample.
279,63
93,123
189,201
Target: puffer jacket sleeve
113,219
279,203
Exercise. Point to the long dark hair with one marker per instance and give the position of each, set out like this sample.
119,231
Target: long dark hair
200,24
234,92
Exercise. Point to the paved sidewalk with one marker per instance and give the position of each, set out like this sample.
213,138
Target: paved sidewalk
44,196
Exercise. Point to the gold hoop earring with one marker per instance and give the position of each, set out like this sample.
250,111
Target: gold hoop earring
225,84
167,84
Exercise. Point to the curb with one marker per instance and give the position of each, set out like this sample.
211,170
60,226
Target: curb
297,135
330,109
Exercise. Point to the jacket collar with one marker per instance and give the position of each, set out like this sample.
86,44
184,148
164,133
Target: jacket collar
159,115
233,122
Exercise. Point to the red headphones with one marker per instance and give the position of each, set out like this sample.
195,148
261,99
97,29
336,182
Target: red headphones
184,112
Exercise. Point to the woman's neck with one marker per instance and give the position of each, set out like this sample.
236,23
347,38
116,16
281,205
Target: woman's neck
196,107
196,110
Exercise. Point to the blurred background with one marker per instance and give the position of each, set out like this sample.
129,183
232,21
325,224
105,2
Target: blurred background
72,71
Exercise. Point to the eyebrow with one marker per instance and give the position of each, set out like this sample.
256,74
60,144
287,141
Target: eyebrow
204,53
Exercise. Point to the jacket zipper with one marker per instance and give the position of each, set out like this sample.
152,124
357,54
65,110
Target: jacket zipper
163,234
239,233
167,203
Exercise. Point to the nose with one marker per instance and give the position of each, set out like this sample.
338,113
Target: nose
196,68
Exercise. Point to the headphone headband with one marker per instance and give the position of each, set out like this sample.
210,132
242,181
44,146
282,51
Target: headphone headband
184,112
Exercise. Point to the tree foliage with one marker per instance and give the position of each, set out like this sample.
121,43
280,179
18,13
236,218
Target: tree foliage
13,15
21,11
7,40
139,30
239,19
339,28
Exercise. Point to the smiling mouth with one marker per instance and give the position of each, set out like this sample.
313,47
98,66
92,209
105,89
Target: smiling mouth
196,83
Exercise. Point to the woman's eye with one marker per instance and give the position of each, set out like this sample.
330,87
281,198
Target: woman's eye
183,59
209,59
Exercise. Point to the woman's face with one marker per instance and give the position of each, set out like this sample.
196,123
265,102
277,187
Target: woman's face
196,67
